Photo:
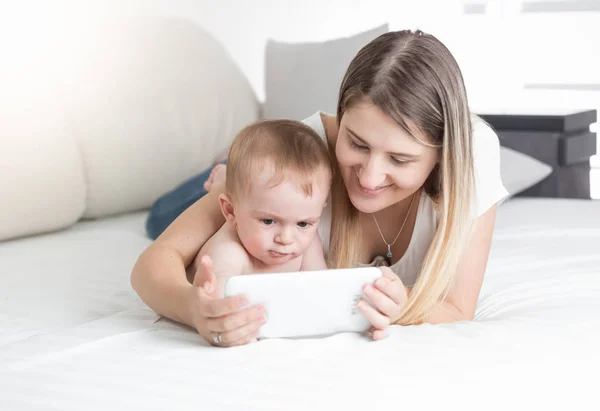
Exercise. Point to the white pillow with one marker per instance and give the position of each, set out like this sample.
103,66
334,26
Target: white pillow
302,78
520,171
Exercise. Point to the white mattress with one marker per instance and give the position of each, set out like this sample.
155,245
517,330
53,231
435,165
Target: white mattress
74,336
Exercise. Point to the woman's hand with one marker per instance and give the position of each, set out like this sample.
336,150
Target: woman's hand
388,297
224,322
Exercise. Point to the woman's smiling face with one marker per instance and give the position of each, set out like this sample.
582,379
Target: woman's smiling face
381,163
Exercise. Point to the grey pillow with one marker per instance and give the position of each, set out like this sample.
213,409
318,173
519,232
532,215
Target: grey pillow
520,171
302,78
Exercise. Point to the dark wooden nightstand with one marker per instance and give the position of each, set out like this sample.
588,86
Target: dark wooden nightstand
561,139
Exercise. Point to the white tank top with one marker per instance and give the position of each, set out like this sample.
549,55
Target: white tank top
489,191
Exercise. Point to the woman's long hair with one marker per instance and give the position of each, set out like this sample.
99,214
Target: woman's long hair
411,76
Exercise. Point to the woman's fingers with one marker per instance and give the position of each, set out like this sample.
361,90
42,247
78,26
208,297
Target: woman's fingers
205,275
387,297
377,319
253,315
391,285
226,316
231,317
380,334
212,308
249,339
240,336
381,301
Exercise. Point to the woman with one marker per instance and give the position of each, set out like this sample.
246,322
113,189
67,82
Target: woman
417,182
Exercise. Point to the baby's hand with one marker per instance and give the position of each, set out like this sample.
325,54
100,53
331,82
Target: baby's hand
217,175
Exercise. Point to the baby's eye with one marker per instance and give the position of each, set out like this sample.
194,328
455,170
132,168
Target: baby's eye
303,224
267,221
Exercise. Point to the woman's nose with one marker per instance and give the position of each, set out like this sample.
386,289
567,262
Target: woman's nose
370,174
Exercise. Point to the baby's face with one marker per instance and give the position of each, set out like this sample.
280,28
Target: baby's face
278,224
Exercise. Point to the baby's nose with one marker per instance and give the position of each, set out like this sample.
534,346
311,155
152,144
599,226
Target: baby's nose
284,236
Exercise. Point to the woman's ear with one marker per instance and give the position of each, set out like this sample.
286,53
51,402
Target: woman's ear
227,208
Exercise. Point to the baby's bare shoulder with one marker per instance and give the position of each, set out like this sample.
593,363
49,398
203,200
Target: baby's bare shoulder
226,251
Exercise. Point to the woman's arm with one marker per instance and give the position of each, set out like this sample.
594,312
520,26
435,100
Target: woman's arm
159,278
159,275
461,302
389,295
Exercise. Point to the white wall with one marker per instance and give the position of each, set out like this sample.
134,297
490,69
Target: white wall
500,51
507,56
244,26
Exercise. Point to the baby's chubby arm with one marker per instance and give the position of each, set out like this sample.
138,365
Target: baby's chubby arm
228,260
313,258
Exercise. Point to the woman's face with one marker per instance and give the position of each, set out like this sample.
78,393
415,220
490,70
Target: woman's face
381,164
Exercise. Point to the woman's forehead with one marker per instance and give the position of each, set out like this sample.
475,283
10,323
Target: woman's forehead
369,123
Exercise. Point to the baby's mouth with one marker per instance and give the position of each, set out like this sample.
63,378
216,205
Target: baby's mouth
277,254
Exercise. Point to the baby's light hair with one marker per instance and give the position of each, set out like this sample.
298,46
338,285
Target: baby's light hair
292,149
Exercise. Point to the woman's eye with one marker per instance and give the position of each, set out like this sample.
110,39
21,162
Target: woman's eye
303,224
357,146
399,162
267,221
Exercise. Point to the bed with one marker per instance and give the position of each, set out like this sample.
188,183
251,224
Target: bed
72,342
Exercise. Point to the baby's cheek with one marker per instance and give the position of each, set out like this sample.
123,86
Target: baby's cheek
256,242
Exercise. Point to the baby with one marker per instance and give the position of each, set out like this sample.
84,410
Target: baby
276,186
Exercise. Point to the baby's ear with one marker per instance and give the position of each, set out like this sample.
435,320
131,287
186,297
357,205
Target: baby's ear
227,207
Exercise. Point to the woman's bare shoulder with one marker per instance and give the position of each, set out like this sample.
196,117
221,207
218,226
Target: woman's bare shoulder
331,127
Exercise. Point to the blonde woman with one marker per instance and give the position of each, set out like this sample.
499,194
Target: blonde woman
416,184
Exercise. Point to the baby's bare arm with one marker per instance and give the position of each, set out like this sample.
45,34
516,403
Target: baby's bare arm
313,259
228,259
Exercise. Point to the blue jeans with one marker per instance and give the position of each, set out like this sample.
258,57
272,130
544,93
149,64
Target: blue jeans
169,206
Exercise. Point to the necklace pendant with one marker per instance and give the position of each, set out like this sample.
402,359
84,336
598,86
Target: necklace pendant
389,254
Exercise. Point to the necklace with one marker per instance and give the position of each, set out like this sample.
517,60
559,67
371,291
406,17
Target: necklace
389,246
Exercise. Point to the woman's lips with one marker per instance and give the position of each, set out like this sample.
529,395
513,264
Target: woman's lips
369,192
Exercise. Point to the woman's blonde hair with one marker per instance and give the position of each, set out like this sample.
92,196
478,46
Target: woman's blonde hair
412,77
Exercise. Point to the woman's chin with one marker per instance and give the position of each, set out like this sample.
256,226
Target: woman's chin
366,205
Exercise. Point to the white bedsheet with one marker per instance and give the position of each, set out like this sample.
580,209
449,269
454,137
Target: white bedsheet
74,336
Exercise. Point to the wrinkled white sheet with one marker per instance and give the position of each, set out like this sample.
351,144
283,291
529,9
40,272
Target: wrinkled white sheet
74,336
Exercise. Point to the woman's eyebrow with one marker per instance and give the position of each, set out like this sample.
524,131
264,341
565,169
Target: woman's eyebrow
406,155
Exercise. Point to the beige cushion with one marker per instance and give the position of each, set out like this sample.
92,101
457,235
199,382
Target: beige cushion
42,185
153,102
110,117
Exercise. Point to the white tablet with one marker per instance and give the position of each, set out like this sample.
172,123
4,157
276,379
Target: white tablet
307,303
